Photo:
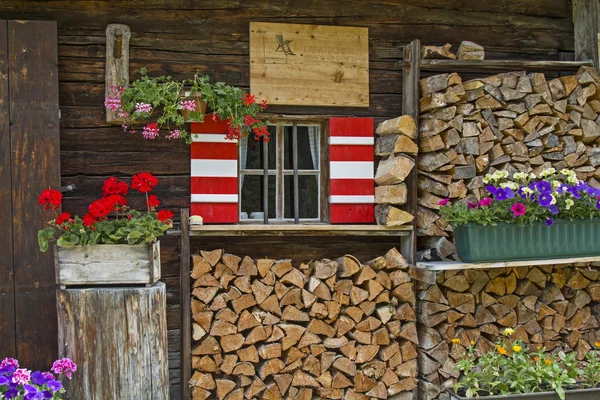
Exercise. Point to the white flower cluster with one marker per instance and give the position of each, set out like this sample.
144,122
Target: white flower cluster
547,172
570,176
496,176
510,185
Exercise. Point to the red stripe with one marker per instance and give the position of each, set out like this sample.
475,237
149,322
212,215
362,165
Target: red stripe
351,153
214,151
351,126
351,187
352,213
209,126
216,185
216,213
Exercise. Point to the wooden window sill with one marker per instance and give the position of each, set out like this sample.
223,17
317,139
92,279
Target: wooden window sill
296,230
458,265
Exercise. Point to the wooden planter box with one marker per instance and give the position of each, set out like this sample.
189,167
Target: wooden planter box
508,242
576,394
108,264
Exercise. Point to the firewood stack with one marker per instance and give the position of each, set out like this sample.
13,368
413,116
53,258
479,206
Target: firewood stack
395,145
329,329
555,307
514,121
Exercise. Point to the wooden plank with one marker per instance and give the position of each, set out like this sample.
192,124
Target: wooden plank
33,81
294,64
586,21
298,230
7,305
185,304
117,61
118,338
410,106
458,265
500,65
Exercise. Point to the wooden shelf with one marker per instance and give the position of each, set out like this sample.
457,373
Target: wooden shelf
500,65
296,230
458,265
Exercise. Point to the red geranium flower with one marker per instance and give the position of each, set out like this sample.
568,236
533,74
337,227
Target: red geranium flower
114,186
164,215
153,201
50,199
89,220
248,99
263,105
62,218
143,182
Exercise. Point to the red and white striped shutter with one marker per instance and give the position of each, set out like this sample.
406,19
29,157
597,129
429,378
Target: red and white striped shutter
214,173
352,188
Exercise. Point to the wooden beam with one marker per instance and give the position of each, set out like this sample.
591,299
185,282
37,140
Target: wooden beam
7,290
117,61
500,65
185,289
410,106
35,160
586,21
298,230
459,265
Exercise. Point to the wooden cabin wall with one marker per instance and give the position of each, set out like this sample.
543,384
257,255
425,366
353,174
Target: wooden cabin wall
178,37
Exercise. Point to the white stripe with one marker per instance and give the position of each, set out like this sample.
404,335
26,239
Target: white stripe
211,138
214,198
352,199
351,170
364,140
216,168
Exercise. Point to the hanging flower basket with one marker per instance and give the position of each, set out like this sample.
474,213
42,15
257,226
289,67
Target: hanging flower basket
553,215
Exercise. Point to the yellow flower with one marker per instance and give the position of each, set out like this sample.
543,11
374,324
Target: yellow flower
536,359
508,332
501,350
548,361
472,342
597,344
456,341
517,348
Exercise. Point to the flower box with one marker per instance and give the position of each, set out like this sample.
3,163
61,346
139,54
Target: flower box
108,264
576,394
506,242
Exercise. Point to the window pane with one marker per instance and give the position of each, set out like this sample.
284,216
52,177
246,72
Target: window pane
308,189
308,147
251,199
251,151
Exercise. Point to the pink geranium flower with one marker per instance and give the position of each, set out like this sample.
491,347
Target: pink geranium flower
443,202
518,209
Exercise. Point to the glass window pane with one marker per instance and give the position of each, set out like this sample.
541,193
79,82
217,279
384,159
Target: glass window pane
251,198
308,189
251,151
308,147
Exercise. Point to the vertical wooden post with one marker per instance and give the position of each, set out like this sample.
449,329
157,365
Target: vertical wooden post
410,106
7,294
586,21
117,60
35,160
185,289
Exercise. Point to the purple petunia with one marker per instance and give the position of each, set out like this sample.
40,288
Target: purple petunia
553,209
598,204
544,187
491,189
3,381
545,199
38,378
55,386
549,221
502,194
11,394
574,192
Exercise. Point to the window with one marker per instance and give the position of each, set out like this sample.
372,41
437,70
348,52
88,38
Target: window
281,159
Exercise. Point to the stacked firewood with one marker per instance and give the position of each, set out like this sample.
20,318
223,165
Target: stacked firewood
332,329
514,121
395,145
555,307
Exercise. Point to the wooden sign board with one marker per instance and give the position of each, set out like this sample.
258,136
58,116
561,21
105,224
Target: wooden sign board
309,65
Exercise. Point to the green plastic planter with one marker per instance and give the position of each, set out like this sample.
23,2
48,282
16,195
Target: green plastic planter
509,242
577,394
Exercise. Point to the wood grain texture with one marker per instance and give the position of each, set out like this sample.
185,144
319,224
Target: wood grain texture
121,354
586,18
296,64
108,264
7,305
33,83
117,61
185,293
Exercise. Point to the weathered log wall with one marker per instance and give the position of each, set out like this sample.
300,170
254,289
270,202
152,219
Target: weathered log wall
551,306
178,37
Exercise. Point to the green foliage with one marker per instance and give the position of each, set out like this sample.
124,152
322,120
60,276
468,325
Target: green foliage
511,369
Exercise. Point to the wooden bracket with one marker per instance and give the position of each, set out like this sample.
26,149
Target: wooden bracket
117,62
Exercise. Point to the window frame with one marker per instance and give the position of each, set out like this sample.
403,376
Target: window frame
279,172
